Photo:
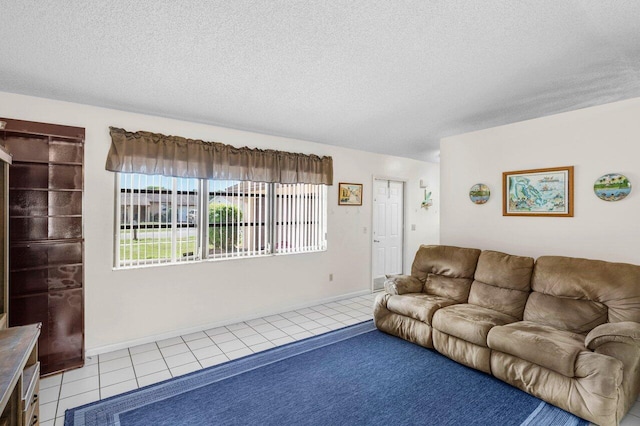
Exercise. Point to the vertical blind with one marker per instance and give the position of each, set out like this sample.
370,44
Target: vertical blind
300,218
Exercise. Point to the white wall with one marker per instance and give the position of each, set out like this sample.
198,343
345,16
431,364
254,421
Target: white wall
125,307
598,140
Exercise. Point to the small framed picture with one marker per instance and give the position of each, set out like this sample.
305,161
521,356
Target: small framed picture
349,194
538,192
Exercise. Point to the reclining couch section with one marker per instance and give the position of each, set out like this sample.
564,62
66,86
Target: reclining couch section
440,276
497,297
579,345
566,330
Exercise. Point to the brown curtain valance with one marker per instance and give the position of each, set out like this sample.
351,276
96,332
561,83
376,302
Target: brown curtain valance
157,154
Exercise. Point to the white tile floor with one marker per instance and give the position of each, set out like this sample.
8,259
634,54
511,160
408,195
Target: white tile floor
121,371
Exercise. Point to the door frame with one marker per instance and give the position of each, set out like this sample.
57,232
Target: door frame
404,223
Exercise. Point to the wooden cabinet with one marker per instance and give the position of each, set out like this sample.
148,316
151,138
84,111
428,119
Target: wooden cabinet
19,376
46,245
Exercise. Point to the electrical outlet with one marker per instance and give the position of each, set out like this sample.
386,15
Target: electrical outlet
330,277
413,226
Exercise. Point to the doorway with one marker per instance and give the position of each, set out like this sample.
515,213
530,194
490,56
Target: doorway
388,230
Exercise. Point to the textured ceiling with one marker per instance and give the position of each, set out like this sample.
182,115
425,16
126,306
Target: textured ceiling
383,76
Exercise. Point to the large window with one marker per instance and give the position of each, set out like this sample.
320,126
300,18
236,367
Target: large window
164,220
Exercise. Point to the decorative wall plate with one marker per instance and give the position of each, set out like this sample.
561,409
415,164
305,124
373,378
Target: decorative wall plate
612,187
479,193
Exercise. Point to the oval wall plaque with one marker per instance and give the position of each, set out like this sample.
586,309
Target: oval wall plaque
479,193
612,187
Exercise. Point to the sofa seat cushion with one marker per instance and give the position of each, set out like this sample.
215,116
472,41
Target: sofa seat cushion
540,344
469,322
419,306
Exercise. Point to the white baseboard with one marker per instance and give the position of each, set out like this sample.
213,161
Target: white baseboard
175,333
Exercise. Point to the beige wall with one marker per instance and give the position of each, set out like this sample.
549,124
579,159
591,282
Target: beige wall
598,140
126,307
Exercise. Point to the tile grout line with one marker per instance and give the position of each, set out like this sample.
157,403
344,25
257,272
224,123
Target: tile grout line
55,416
133,368
194,355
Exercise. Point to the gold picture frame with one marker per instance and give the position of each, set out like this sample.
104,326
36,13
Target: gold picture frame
349,194
538,192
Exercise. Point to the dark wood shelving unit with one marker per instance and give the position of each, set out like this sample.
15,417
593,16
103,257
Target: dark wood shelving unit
46,243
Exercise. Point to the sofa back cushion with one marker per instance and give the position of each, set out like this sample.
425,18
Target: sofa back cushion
574,315
579,294
446,271
502,282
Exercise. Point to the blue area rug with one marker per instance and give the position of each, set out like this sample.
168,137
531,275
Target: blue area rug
353,376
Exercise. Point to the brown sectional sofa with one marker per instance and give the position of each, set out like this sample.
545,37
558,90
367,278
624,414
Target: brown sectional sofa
566,330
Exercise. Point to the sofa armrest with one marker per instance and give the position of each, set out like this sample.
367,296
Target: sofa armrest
401,284
625,332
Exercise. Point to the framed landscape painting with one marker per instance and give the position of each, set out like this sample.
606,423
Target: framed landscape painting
350,194
538,192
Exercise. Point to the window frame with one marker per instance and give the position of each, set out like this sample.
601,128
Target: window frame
203,252
172,224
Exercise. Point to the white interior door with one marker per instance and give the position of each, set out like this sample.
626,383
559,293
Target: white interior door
388,229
